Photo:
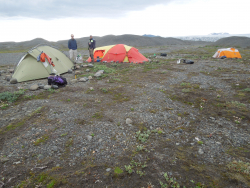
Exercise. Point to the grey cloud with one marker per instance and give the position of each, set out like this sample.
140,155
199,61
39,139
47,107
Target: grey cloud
52,9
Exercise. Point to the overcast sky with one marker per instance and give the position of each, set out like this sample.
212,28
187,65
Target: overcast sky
55,20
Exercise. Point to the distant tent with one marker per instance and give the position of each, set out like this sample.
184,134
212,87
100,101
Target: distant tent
228,53
118,53
29,69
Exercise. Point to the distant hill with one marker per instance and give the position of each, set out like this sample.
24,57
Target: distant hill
131,40
145,35
233,42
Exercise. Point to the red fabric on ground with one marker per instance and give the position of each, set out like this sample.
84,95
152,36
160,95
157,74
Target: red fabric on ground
135,56
116,53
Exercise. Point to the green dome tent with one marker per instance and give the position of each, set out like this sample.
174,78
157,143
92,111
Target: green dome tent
29,69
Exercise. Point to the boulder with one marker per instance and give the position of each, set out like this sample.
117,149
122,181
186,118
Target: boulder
46,87
83,79
98,74
100,71
90,65
13,80
34,87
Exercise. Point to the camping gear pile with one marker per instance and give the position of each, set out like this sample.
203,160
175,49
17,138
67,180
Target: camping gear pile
57,80
119,53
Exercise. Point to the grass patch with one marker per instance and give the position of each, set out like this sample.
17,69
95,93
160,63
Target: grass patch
240,167
105,68
11,97
98,115
43,139
13,126
118,170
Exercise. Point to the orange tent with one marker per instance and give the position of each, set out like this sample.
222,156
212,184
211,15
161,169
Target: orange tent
228,52
118,53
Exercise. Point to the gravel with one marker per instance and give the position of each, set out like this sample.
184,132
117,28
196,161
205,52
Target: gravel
68,126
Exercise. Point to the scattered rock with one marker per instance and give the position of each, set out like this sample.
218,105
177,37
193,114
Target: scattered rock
77,72
54,87
70,71
89,138
54,148
100,71
8,77
83,79
77,67
177,144
40,157
18,162
13,80
34,87
90,65
11,70
46,87
179,118
41,86
129,121
91,88
4,159
200,151
84,65
87,70
108,169
98,74
90,78
73,81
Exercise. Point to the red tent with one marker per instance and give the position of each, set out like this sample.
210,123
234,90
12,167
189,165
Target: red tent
118,53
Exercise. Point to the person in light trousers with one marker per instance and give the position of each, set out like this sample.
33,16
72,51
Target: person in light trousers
72,45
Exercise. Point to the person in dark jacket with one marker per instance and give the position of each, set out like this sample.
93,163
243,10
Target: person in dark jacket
91,47
72,45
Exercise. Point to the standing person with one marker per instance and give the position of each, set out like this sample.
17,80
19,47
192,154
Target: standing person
91,47
72,45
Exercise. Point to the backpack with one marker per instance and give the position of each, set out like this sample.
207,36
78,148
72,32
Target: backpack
57,80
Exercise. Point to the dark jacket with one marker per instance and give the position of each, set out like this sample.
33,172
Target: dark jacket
92,43
72,44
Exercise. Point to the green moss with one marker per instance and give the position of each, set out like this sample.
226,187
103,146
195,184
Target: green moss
43,139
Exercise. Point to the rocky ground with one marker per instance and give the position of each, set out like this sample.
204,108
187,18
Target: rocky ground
158,124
